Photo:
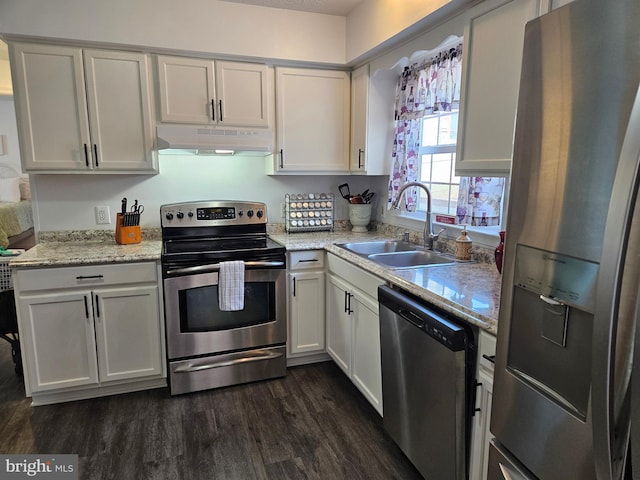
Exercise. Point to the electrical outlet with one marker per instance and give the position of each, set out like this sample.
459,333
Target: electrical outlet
103,216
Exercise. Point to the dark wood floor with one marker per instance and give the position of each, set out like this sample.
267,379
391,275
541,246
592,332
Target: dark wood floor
312,424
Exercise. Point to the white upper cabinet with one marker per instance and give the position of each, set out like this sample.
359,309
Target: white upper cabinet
83,111
187,89
242,94
119,110
312,118
359,119
493,41
371,121
208,92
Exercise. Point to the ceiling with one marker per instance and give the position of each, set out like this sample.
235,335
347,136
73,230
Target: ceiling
329,7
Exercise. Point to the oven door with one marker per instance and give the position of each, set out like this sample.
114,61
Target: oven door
196,326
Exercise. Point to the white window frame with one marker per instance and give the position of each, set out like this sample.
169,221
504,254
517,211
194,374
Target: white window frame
486,236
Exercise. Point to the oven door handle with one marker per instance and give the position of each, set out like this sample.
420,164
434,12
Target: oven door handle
227,363
214,267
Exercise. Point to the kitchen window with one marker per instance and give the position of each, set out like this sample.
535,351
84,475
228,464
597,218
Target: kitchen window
426,130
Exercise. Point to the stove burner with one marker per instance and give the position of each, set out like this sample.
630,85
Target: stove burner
196,240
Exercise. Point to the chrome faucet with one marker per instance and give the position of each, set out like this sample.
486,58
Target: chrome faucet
428,236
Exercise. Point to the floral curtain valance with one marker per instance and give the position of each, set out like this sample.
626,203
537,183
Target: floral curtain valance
422,89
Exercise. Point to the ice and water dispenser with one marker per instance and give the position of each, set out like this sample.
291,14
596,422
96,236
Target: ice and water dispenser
551,325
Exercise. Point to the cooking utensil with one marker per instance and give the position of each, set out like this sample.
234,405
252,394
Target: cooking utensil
344,191
357,199
367,198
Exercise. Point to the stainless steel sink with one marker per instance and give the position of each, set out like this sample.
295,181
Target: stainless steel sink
418,258
383,246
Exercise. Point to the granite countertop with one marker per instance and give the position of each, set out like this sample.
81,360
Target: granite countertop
93,252
468,290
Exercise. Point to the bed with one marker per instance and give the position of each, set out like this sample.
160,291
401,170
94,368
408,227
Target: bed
16,215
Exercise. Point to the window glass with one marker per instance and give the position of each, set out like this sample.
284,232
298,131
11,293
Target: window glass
437,171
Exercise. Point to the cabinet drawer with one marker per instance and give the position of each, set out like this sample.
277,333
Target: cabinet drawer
85,276
306,260
362,279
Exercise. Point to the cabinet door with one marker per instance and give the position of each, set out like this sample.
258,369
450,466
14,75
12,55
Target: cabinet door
367,367
119,108
187,90
359,119
58,340
338,322
306,308
494,36
51,107
242,94
312,117
481,433
128,332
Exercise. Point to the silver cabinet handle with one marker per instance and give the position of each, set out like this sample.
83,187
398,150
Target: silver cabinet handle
227,363
214,267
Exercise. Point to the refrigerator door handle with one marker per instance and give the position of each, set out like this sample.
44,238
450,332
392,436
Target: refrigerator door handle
510,474
610,446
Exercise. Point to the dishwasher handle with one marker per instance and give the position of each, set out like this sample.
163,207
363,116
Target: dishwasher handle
411,317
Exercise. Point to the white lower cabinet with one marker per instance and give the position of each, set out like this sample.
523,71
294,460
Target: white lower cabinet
90,331
306,332
481,421
339,322
353,326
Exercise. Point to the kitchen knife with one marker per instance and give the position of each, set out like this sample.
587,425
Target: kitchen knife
123,210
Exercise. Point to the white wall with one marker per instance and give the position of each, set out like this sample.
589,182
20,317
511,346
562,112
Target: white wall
66,202
199,26
374,22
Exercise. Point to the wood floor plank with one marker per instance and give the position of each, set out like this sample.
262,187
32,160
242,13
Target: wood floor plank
312,424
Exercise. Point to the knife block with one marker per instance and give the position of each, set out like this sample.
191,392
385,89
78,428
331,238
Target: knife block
127,235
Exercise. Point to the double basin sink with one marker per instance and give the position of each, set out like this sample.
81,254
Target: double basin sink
397,254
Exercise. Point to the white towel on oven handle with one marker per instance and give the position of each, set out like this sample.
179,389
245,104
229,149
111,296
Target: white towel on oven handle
231,286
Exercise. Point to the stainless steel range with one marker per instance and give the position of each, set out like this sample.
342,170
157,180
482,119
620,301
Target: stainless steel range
208,344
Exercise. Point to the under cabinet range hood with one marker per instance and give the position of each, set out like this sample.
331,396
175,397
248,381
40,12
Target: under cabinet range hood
198,140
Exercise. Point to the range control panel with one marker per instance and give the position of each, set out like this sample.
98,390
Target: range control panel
212,213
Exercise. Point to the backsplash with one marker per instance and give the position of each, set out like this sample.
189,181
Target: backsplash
444,244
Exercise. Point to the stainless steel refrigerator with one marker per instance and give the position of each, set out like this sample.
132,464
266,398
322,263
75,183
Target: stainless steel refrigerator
562,402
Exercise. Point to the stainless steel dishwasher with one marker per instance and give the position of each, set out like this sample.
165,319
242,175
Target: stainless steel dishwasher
427,384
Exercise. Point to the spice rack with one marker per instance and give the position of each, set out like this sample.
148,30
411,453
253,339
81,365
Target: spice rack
309,212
